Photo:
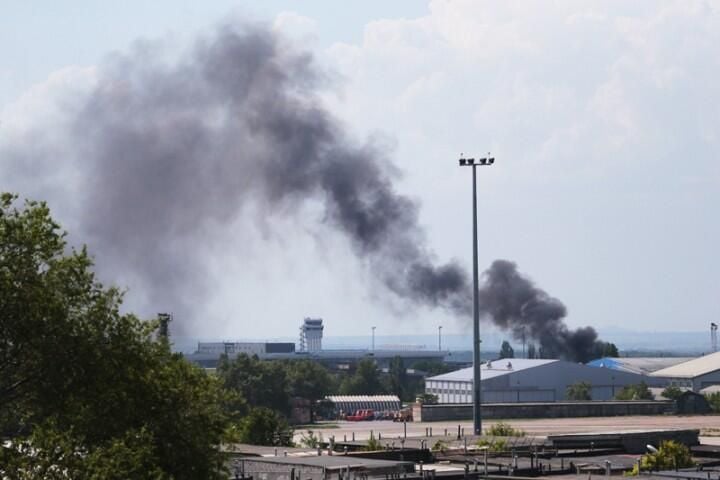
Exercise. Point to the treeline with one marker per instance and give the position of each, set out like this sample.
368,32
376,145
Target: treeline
89,392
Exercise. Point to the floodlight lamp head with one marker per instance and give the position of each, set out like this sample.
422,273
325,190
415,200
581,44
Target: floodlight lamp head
491,160
462,161
471,161
482,161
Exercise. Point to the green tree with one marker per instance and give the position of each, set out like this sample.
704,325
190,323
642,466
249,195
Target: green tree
506,351
670,455
531,351
309,380
610,350
714,401
263,426
672,392
365,380
260,383
76,373
579,391
398,378
427,399
431,367
635,392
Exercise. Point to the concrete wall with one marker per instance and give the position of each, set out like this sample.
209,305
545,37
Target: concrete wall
430,413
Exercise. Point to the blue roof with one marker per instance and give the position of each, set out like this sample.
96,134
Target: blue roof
640,365
492,369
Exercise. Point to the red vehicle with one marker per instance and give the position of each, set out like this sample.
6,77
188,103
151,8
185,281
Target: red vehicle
361,415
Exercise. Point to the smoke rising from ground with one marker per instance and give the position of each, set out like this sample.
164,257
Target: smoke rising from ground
176,149
172,151
515,304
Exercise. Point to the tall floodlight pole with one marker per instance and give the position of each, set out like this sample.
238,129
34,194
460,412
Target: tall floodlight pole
373,339
439,338
477,400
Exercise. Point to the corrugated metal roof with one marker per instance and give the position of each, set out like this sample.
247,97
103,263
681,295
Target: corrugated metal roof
692,368
492,369
641,365
363,398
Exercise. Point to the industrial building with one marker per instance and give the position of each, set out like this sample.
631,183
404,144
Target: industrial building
639,365
352,403
696,374
531,380
250,348
208,354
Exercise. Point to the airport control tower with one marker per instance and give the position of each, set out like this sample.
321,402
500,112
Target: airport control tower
311,332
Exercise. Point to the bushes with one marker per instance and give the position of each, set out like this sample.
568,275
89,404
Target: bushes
635,392
670,455
579,391
503,429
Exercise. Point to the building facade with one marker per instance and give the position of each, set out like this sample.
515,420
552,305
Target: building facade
531,380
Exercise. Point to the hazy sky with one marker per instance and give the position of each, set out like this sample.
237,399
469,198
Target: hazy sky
604,118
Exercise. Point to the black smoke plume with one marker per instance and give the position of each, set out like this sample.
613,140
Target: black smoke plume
172,150
515,304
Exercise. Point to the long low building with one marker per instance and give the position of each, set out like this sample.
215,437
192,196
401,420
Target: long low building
344,360
532,380
696,374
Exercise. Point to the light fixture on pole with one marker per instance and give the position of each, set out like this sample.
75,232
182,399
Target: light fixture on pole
477,401
439,338
373,339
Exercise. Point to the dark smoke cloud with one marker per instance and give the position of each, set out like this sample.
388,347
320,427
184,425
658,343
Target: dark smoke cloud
172,151
175,150
515,304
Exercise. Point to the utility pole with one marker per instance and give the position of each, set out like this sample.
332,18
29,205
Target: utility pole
477,400
373,339
439,338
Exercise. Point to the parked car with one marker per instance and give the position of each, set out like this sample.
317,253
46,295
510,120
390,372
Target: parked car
361,416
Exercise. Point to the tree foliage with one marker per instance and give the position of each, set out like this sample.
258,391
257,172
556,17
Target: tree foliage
83,387
365,380
579,391
263,426
672,392
639,391
714,401
506,351
260,383
671,455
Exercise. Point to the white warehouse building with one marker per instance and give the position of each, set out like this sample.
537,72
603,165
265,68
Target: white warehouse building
531,380
696,374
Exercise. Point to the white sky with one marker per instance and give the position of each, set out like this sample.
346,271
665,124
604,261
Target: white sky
604,118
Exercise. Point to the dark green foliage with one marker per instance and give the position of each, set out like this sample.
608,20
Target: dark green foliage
427,399
531,351
635,392
714,401
506,351
579,391
263,426
398,379
260,383
431,367
365,380
672,392
84,388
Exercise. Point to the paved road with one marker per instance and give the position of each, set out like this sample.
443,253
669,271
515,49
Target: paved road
534,427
